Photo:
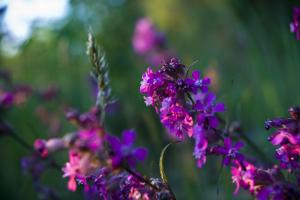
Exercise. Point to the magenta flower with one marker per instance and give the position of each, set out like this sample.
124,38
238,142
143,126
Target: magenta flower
151,82
123,152
176,119
72,169
90,139
146,37
40,147
295,24
243,176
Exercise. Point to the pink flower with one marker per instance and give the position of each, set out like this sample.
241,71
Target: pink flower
145,37
72,169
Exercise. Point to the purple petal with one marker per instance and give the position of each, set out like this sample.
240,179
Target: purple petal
114,143
141,153
220,150
239,157
196,74
219,107
239,145
213,122
116,161
206,81
227,143
210,97
128,137
226,160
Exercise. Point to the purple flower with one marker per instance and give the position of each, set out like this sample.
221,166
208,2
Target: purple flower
201,144
289,156
229,151
6,99
287,137
206,109
277,122
279,191
295,24
195,83
146,38
151,81
122,151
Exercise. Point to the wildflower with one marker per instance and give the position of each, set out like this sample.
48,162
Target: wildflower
151,81
196,83
146,38
184,104
176,119
72,169
281,190
229,151
287,138
289,156
295,24
122,149
243,174
206,109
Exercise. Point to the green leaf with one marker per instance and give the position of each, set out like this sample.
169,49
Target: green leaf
161,164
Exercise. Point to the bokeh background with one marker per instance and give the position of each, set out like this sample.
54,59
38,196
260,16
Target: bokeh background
246,45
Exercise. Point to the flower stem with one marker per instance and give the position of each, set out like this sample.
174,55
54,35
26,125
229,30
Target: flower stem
21,141
142,179
254,147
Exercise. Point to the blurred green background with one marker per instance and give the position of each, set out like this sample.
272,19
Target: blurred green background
245,44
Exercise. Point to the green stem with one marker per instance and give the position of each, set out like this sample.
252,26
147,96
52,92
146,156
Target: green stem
254,147
21,141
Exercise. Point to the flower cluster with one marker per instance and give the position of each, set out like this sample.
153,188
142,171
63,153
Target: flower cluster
185,105
147,41
264,184
86,148
295,24
104,164
287,139
109,184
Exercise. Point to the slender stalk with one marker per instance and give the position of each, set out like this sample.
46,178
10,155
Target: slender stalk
21,141
251,144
